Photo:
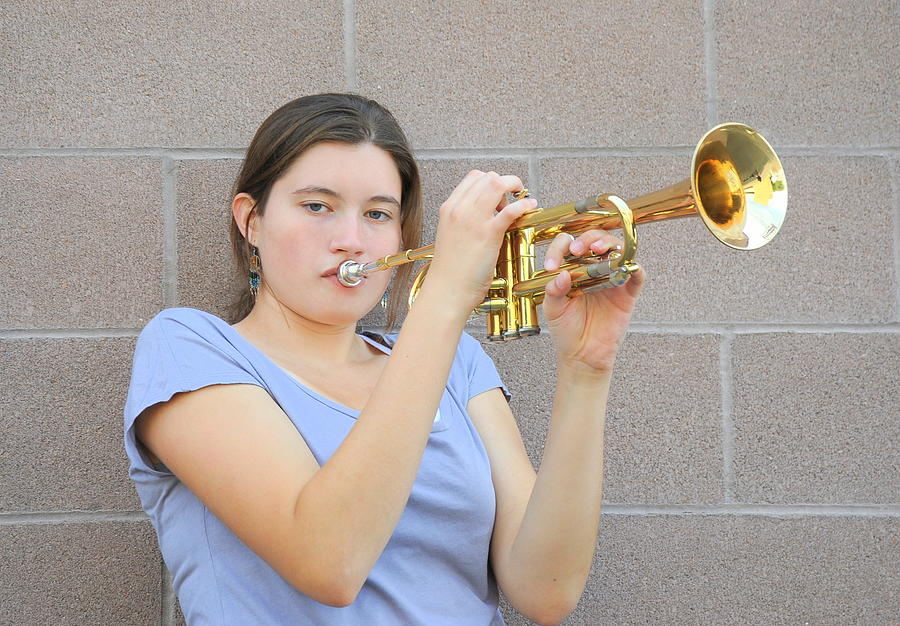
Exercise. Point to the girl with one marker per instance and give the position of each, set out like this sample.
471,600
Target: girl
298,472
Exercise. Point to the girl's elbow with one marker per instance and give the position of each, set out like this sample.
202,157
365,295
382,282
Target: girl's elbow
331,593
551,615
552,608
338,597
334,586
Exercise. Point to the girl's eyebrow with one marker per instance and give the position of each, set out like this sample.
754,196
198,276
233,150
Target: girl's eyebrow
315,189
330,192
388,199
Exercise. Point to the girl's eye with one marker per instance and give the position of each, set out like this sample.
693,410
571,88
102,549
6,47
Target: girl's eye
381,216
315,207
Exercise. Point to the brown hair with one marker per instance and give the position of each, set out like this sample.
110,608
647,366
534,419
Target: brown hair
296,127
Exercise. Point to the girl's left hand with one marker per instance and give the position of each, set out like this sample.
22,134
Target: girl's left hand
587,329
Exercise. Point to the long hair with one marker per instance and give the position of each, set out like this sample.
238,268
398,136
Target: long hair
297,126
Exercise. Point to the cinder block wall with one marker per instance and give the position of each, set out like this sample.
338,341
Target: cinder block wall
752,444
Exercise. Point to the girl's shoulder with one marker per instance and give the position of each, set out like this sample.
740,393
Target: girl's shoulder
189,341
183,317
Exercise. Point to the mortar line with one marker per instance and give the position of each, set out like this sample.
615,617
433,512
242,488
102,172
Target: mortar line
759,510
534,177
175,153
232,152
170,246
641,151
894,166
23,518
736,328
69,333
611,508
206,155
709,49
167,597
351,65
726,383
518,152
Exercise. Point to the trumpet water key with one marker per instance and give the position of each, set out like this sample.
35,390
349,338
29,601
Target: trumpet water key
737,187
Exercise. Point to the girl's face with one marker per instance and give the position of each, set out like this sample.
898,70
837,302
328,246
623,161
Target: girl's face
336,202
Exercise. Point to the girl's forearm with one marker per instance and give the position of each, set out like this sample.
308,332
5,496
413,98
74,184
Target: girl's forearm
554,547
354,502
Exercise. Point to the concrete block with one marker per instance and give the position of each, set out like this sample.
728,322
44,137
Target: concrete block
90,75
536,74
207,275
91,573
832,261
816,418
741,570
61,418
810,73
663,428
84,242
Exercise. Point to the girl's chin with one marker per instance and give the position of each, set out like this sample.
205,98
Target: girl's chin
332,314
333,303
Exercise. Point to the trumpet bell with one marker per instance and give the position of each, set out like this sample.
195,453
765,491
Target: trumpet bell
739,187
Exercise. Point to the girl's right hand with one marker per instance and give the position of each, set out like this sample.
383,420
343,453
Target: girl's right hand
470,231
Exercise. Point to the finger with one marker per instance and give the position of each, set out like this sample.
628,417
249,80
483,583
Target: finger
556,294
635,282
517,187
513,211
464,186
491,189
558,248
595,241
510,183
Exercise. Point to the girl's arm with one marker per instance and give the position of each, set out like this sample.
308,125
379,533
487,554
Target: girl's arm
546,528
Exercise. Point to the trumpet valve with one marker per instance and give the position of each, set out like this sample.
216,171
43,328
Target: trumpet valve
492,304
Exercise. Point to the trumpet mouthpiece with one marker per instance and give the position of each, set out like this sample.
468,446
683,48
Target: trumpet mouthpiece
350,273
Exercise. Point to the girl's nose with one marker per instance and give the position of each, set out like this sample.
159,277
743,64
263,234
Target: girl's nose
348,235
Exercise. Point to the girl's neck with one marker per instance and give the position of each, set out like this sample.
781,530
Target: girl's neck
289,338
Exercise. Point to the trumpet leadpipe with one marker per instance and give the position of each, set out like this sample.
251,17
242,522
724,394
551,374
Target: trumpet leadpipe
351,273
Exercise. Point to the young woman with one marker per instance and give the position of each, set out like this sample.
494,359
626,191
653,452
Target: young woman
298,472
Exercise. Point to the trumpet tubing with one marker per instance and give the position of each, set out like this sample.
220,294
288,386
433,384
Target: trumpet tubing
736,186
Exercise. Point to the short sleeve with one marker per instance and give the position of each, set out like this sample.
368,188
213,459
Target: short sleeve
179,350
480,368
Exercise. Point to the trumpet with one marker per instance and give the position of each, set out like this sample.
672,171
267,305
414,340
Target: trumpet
737,187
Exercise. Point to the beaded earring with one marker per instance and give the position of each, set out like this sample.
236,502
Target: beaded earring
255,267
384,299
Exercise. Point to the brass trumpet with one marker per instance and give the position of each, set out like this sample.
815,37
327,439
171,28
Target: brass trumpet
737,186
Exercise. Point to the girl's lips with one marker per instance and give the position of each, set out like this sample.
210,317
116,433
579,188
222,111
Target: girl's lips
332,278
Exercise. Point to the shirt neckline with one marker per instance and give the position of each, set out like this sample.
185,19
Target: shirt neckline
334,404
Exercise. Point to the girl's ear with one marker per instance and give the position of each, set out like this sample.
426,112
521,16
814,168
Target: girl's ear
242,208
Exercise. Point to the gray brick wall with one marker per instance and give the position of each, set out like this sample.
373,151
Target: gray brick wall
752,464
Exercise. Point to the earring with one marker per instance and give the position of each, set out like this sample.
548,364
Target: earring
255,267
384,299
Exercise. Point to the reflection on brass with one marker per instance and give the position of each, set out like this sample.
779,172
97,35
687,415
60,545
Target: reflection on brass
737,187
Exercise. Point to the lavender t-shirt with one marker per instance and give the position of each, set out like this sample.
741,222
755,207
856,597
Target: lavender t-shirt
434,570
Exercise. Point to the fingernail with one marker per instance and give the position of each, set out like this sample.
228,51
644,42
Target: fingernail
577,247
550,264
